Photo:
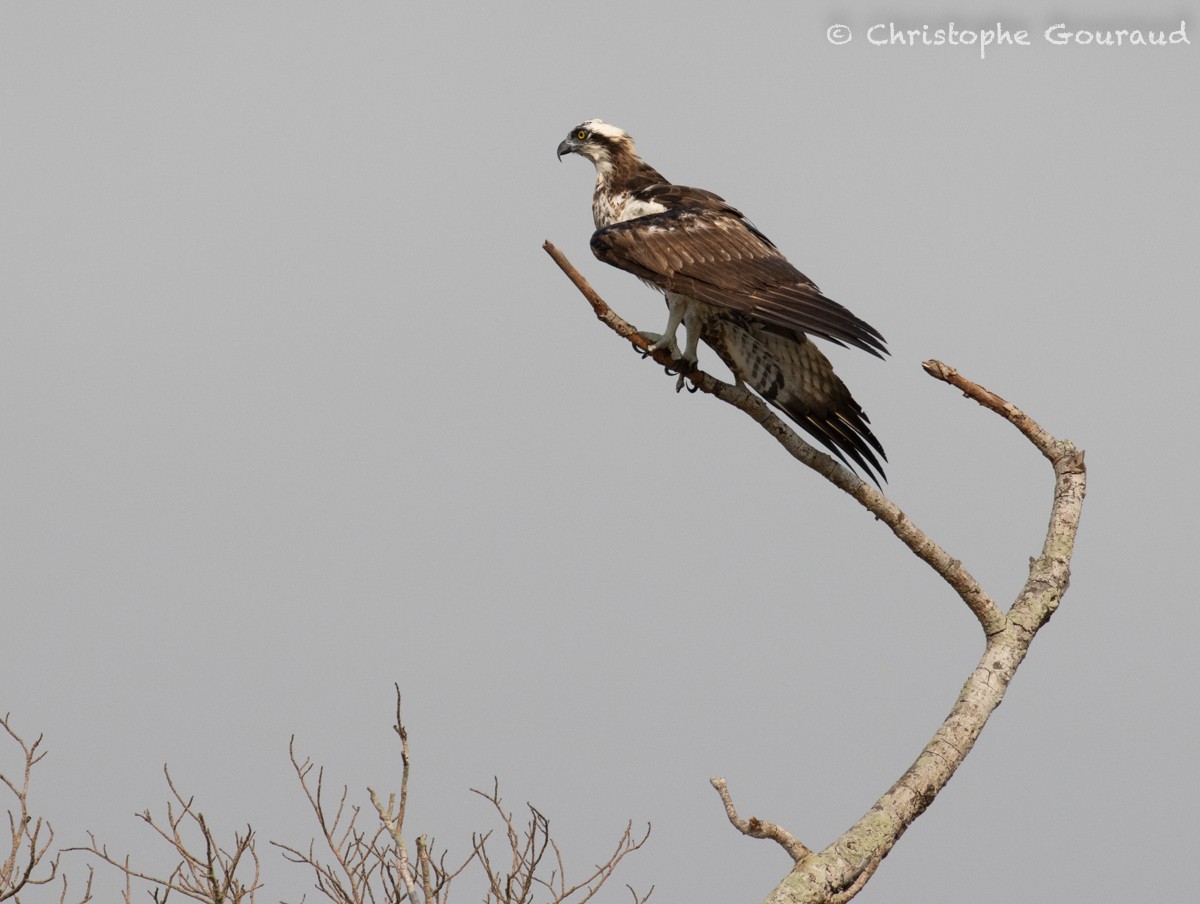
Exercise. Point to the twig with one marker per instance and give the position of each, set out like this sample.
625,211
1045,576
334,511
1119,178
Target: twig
1042,440
527,849
212,876
87,888
25,832
758,828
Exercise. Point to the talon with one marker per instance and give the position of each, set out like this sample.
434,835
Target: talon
692,387
669,372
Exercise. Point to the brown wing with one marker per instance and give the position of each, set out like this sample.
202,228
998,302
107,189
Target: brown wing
712,254
672,196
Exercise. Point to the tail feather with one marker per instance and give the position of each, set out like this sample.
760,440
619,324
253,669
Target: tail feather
791,373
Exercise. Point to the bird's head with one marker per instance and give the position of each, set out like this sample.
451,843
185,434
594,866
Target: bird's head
599,142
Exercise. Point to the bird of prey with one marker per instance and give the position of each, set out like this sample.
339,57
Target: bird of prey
728,285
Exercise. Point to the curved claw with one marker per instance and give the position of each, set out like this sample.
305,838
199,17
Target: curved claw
669,372
691,387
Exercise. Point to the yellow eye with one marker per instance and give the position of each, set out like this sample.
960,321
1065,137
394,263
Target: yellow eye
581,134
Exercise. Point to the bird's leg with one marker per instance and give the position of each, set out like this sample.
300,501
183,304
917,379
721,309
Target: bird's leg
676,308
691,323
666,339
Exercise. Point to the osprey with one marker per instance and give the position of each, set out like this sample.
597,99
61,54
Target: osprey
728,285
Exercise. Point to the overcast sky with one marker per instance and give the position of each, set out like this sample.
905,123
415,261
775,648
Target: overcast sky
295,407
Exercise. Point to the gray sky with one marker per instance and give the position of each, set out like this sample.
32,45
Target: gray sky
295,407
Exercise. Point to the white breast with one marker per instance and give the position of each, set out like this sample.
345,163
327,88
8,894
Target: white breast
617,208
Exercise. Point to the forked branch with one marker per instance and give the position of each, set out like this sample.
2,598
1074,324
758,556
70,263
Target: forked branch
526,848
364,866
839,872
30,838
206,871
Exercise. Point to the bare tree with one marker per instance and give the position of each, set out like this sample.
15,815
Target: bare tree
350,864
372,864
518,882
839,872
206,871
30,838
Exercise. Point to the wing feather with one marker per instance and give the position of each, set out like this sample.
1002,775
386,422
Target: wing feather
712,254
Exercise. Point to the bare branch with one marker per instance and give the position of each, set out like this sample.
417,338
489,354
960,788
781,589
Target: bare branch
360,859
757,828
216,876
28,846
947,567
527,849
837,873
405,760
370,865
87,889
640,899
1043,441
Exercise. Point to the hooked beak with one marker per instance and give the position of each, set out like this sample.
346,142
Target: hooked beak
567,146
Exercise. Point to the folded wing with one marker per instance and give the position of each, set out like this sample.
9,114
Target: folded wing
714,255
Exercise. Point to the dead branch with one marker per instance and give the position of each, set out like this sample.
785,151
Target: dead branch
28,847
840,871
87,888
369,866
951,570
526,849
758,828
30,838
392,818
216,876
640,899
358,865
359,860
373,864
